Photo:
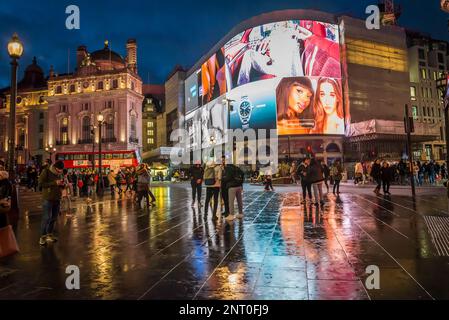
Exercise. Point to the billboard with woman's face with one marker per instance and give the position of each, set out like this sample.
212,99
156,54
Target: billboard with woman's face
284,75
310,105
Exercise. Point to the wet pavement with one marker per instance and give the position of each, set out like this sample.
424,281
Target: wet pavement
280,250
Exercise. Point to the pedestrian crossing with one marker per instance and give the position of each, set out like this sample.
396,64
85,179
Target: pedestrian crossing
439,230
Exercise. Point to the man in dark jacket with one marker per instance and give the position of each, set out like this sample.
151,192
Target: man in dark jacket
316,178
196,181
306,186
375,174
52,184
234,178
386,174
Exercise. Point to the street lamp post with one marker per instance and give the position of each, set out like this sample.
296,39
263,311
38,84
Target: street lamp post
15,51
50,150
100,119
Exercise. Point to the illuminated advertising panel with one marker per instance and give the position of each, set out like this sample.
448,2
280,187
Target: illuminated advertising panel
192,92
213,77
284,75
213,123
254,105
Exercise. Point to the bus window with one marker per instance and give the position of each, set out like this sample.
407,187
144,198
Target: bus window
118,156
79,157
108,156
128,155
60,157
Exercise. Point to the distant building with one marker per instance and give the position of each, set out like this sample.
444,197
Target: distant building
428,64
103,83
152,106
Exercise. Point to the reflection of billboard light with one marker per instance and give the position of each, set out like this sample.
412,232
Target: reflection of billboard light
193,91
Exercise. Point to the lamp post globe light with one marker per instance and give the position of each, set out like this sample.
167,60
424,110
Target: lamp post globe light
100,189
15,51
50,150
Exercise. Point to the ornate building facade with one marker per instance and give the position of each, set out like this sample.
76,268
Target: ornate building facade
31,117
103,83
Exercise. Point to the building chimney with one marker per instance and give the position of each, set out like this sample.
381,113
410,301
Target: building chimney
81,53
131,55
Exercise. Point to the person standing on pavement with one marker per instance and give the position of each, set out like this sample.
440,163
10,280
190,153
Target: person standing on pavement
316,178
305,184
336,173
386,176
375,174
212,180
52,184
196,181
326,173
234,177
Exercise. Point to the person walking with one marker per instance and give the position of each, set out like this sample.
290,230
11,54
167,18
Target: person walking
336,172
316,178
305,184
293,170
112,182
326,173
196,181
375,174
358,173
386,176
212,180
66,192
52,184
268,182
143,183
234,178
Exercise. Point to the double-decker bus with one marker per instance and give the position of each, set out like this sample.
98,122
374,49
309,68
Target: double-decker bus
109,159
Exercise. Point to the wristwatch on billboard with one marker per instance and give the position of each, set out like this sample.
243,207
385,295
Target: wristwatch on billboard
245,109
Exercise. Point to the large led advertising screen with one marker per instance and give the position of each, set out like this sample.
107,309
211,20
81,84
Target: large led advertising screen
284,75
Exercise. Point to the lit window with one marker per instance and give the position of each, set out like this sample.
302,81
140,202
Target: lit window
415,112
413,93
151,140
150,124
423,74
151,132
148,141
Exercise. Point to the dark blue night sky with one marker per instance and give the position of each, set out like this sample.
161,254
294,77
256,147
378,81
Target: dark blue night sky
168,32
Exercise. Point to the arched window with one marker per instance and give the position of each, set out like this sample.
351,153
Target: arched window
133,134
110,128
332,147
64,131
85,128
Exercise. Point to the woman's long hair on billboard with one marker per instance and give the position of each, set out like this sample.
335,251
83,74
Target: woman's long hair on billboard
283,91
321,117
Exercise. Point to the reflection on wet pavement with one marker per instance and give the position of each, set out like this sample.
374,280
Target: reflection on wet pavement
280,250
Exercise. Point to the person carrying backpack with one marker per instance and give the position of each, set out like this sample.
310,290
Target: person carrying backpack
233,179
212,180
336,173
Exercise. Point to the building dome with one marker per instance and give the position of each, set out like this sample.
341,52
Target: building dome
106,55
34,77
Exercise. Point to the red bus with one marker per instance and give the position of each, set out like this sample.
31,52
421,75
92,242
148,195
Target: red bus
109,159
